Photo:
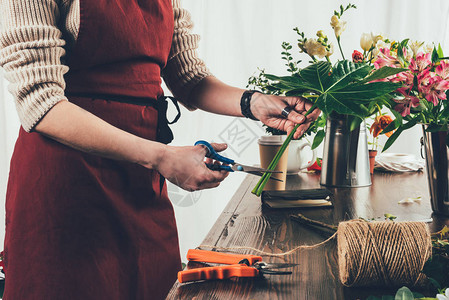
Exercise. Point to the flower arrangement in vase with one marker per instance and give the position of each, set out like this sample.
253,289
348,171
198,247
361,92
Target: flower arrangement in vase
353,88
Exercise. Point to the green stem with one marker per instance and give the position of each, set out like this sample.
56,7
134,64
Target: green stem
339,46
266,176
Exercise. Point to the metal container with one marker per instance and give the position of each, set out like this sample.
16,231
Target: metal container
437,156
345,154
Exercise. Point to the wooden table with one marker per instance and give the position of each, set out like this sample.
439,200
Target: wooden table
245,222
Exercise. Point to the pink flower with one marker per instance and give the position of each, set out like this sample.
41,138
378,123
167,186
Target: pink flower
443,70
436,90
404,105
408,101
421,62
384,58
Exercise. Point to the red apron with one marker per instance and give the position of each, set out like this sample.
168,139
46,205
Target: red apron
79,226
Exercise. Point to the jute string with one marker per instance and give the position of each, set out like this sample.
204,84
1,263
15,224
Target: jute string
373,253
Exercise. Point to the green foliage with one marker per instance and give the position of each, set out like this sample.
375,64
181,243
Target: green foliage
437,268
343,9
341,88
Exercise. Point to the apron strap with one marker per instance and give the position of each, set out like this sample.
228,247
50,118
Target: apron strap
164,133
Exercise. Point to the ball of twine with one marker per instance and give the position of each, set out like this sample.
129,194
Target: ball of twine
383,253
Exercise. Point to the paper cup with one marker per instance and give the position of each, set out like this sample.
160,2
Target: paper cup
268,147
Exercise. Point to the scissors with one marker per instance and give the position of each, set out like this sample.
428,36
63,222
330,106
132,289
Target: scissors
237,265
232,165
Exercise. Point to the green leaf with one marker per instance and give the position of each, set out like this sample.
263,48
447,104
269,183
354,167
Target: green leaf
435,57
392,139
354,122
317,75
329,103
404,293
367,91
291,83
401,47
383,72
373,298
440,51
345,72
437,267
387,297
435,283
318,138
436,128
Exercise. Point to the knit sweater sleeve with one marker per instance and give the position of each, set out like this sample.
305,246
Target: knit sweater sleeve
184,69
31,47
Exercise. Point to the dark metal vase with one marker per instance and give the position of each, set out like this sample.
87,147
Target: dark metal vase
345,154
437,156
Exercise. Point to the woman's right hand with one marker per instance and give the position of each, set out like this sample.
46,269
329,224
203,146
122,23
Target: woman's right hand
186,168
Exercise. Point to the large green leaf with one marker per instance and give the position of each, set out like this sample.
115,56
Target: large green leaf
317,75
289,83
368,91
383,72
329,103
344,72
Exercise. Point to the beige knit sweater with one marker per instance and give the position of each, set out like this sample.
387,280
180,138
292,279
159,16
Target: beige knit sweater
32,52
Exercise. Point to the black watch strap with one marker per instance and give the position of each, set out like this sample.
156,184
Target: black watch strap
245,104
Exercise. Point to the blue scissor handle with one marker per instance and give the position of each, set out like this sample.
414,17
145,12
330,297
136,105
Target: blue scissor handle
219,167
211,153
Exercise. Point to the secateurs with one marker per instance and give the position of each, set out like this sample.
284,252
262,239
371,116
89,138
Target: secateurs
237,265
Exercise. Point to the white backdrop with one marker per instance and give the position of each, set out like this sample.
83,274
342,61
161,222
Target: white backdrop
237,38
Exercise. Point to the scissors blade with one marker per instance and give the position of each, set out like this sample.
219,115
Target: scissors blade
261,174
248,169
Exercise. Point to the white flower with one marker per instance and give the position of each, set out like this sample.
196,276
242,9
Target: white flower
381,44
428,48
338,25
443,297
414,46
368,40
314,48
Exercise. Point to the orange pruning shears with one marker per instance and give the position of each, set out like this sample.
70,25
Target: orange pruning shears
237,265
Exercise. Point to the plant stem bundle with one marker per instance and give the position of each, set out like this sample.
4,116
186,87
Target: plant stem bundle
266,176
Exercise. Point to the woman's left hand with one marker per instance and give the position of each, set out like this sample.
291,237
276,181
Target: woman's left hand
269,109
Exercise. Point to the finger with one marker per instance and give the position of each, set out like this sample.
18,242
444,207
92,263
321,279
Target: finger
300,131
296,118
313,115
298,103
219,146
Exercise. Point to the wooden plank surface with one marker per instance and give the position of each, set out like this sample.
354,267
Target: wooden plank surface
246,223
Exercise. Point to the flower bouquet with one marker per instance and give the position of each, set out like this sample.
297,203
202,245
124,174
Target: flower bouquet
353,88
424,85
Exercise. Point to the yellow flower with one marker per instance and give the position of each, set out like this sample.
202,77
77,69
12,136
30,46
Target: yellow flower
338,25
320,34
